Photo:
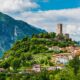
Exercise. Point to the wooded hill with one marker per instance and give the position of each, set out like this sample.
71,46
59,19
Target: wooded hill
30,51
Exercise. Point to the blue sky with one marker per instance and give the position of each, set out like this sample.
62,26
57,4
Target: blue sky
46,14
58,4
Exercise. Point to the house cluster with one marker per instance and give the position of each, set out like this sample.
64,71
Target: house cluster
2,70
54,48
38,68
63,58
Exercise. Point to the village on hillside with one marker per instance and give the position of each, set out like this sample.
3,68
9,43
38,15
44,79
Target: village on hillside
58,60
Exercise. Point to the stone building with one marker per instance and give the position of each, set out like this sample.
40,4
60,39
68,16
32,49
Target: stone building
62,58
67,36
59,29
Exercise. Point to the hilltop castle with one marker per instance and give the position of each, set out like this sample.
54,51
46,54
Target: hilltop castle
59,30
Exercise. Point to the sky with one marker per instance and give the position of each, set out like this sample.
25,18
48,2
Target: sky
46,14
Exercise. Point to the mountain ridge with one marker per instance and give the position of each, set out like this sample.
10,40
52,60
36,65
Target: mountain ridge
12,30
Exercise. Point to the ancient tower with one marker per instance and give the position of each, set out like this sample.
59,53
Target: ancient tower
59,30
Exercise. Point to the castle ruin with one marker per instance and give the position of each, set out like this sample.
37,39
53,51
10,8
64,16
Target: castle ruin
59,30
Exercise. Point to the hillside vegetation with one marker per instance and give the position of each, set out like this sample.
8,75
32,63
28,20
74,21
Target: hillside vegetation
35,50
29,51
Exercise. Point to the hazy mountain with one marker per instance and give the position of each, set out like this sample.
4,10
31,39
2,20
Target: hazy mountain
11,30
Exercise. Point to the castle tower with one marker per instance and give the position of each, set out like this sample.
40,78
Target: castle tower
59,30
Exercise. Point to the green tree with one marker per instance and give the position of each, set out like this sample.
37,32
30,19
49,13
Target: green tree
2,76
15,63
65,74
75,63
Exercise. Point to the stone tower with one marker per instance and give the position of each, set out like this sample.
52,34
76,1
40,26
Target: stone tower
67,36
59,30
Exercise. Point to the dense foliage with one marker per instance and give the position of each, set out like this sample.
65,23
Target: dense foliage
24,52
68,73
29,51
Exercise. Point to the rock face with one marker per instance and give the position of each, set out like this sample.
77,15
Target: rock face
12,30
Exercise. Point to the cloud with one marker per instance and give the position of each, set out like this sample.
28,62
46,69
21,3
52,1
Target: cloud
66,16
43,19
41,0
49,19
16,5
46,17
74,31
71,29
